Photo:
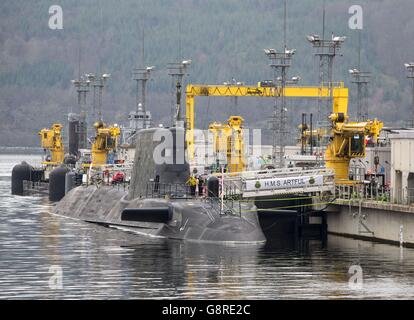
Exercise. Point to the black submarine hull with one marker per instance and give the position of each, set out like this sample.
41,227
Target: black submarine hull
195,220
157,202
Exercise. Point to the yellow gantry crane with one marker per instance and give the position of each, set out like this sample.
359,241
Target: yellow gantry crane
340,99
51,140
106,140
228,139
347,139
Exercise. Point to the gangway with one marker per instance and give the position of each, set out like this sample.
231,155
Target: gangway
275,182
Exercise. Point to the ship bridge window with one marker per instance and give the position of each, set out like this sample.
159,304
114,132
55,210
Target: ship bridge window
357,144
110,143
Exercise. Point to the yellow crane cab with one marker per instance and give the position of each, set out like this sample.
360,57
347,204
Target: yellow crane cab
51,142
348,141
105,141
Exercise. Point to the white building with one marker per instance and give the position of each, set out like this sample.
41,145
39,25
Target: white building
138,120
402,166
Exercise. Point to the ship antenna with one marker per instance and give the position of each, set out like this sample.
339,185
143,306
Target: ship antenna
102,37
180,54
284,24
142,76
323,19
143,45
79,58
359,49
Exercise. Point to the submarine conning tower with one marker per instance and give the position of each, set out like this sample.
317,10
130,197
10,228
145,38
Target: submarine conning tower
160,157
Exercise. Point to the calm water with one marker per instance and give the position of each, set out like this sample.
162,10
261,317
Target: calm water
101,263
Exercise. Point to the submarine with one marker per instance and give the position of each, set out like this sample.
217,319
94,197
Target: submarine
159,202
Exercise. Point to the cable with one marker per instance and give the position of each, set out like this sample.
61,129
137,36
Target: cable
292,207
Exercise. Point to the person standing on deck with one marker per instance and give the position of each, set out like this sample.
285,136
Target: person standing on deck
192,182
200,186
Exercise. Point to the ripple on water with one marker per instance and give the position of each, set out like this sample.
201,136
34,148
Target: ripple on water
101,263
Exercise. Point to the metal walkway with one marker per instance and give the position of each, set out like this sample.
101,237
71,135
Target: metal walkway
265,183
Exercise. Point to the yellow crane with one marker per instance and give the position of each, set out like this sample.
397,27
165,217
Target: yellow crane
340,99
105,141
307,136
228,139
347,139
51,140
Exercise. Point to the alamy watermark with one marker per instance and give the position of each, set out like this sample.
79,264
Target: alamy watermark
56,280
209,147
55,17
356,21
356,280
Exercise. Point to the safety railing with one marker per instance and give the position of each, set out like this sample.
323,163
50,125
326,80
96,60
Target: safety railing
235,184
221,206
402,196
35,187
116,175
233,189
169,190
368,192
277,173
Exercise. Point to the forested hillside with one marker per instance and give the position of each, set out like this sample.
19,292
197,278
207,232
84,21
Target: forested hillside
224,38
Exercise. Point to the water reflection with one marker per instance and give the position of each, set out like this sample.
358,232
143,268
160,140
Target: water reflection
101,263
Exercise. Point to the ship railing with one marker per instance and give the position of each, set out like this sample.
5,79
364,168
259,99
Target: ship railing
275,173
105,176
37,186
226,206
404,196
122,185
368,192
235,184
363,192
168,190
233,189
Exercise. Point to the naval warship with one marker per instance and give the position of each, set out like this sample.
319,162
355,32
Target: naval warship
159,202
